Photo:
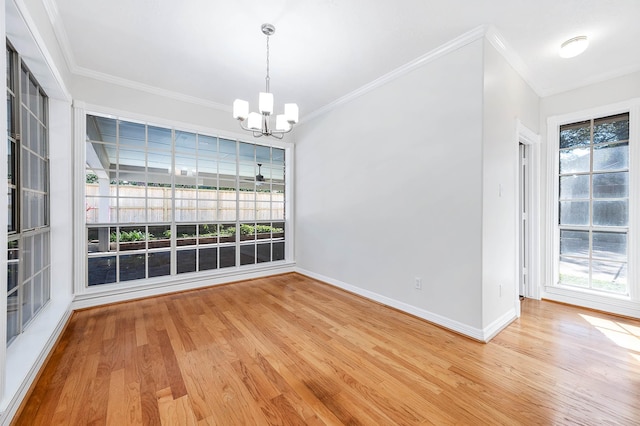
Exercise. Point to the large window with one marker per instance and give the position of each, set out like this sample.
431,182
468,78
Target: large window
28,270
162,202
593,205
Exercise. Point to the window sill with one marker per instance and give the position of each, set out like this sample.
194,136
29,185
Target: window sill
615,304
113,293
29,350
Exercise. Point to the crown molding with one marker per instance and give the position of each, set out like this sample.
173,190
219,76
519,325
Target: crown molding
154,90
458,42
496,39
51,8
65,46
487,31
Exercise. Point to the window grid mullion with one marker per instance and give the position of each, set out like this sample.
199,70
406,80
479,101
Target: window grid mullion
591,152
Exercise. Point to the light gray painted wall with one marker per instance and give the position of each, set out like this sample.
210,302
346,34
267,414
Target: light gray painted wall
388,188
596,95
507,98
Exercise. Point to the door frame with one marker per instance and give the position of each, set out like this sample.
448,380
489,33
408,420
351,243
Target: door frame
532,145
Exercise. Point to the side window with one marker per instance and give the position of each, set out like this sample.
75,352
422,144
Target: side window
28,270
593,204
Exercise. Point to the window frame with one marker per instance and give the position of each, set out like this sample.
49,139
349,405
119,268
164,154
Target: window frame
81,111
32,270
591,228
611,302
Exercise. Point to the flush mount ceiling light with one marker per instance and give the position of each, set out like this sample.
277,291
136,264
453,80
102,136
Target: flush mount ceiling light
573,47
260,123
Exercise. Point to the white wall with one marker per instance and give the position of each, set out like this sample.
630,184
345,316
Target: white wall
507,98
389,187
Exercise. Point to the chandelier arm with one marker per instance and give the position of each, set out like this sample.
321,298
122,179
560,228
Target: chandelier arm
243,127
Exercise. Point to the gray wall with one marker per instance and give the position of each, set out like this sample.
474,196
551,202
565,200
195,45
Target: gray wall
389,187
507,98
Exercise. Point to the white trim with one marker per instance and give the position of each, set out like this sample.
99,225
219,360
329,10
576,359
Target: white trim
490,331
78,203
591,300
533,142
600,111
483,335
26,39
633,241
526,135
628,306
289,204
51,8
512,57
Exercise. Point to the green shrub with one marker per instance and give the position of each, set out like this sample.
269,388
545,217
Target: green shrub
129,236
228,232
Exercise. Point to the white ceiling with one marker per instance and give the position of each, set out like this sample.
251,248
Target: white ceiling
213,50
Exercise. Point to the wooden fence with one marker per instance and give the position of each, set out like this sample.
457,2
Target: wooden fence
139,204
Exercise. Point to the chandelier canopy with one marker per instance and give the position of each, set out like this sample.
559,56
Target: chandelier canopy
260,123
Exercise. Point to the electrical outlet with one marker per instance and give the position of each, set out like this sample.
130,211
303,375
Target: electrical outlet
418,283
500,288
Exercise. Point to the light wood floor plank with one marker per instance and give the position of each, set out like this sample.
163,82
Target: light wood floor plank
290,350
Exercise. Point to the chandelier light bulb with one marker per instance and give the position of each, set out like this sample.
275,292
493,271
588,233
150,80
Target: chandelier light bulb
255,121
291,113
265,103
240,109
281,123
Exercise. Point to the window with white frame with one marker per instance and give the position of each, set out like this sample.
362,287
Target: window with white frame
162,202
28,256
593,205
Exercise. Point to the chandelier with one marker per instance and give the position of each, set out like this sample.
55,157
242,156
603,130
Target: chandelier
260,123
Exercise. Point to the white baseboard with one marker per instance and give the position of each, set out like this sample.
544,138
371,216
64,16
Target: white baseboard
499,324
97,296
483,335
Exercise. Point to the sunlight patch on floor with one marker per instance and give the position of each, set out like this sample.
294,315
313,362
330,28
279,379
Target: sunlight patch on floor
624,335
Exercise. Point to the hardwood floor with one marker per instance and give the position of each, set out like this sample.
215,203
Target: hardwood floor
290,350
